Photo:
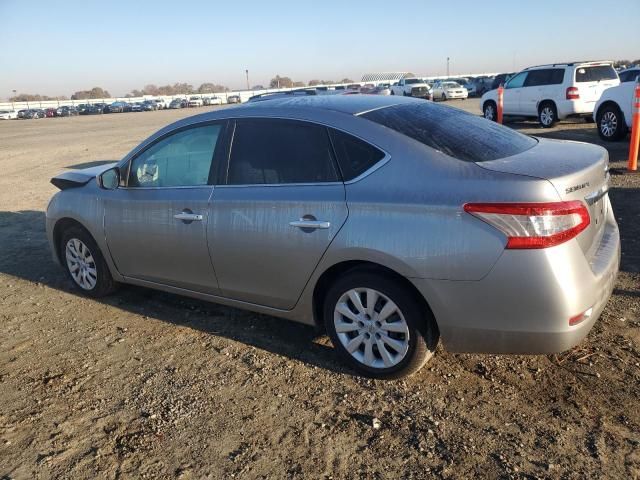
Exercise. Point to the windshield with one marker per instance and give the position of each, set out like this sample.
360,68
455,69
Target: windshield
412,80
450,85
452,131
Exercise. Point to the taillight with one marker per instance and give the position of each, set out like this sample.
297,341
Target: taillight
573,93
533,225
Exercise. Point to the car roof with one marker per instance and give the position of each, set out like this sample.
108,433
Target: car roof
572,64
349,104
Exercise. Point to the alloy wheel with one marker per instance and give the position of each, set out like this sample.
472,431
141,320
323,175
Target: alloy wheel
371,328
81,264
609,124
546,116
489,112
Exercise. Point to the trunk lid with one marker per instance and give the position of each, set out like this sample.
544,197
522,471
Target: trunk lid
578,171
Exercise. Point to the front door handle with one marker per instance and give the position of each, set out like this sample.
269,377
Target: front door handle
186,216
311,224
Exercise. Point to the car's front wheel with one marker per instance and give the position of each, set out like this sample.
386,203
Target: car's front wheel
378,326
611,124
84,263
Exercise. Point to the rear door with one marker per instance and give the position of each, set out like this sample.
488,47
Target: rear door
541,84
282,204
592,80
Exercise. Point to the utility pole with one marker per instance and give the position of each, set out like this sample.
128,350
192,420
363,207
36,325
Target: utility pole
247,74
13,107
447,67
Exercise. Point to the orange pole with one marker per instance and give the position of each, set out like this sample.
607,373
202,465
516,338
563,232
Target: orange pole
635,130
500,103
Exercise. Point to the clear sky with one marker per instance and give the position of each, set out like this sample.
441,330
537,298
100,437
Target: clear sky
58,47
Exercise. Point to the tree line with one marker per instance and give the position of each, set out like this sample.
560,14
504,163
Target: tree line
175,89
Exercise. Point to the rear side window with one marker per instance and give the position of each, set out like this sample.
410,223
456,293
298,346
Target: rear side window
267,151
595,73
451,131
545,76
354,155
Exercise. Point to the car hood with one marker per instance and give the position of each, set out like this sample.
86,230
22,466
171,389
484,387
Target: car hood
77,178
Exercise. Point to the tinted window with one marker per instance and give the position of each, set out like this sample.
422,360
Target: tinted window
451,131
546,76
629,75
595,73
182,159
280,151
517,81
354,155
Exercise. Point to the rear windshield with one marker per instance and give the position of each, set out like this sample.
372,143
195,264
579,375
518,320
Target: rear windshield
412,80
595,73
451,131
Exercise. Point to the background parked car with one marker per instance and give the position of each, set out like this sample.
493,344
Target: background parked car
136,107
21,113
500,79
50,112
178,103
449,91
195,102
8,115
117,107
613,112
236,99
34,113
553,92
629,75
66,111
149,105
411,87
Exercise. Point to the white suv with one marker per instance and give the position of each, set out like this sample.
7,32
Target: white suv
553,92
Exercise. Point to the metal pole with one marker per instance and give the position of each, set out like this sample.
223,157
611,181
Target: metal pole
247,73
447,67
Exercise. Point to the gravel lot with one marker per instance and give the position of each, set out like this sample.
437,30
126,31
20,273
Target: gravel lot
146,384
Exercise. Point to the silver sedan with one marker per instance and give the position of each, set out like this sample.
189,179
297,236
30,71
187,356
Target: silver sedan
390,222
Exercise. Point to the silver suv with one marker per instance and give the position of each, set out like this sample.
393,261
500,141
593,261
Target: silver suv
389,221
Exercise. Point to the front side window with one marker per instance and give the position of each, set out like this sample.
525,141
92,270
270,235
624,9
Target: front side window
270,151
182,159
517,81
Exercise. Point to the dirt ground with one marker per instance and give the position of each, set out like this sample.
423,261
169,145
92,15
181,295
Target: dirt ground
146,384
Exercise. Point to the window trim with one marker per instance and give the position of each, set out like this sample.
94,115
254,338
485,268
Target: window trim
220,149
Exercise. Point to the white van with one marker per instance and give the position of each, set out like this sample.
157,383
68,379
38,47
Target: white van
553,92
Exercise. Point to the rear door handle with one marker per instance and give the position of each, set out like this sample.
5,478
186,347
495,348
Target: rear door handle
188,217
312,224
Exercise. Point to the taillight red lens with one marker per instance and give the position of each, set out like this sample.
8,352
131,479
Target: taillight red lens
533,225
573,93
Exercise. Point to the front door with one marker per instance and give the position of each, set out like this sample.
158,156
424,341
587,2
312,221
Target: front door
282,205
513,93
156,223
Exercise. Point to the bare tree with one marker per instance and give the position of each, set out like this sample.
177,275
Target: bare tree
95,92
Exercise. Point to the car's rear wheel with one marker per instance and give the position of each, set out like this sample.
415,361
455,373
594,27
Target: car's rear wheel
85,264
490,111
443,97
547,115
378,327
611,124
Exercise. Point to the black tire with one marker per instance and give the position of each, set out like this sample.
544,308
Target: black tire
443,97
392,92
611,123
547,114
423,332
490,111
104,284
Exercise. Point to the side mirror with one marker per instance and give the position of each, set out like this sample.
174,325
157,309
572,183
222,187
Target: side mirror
109,179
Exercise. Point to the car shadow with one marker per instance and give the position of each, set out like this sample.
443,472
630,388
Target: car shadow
95,163
34,264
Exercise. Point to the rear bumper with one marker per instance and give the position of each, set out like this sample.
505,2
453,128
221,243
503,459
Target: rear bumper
569,108
524,304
